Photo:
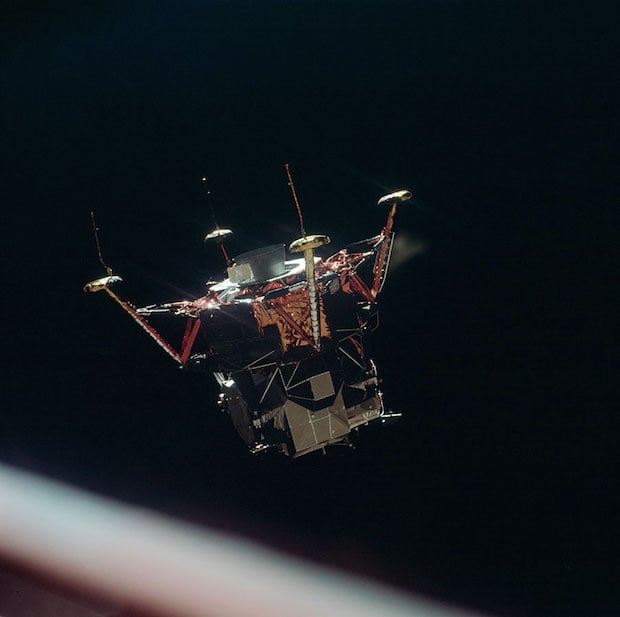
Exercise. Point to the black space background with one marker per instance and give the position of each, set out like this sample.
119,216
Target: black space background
496,489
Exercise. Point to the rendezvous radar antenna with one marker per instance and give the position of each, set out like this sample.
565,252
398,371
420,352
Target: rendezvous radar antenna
218,235
307,244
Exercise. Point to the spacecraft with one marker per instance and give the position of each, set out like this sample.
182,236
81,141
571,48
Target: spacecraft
284,338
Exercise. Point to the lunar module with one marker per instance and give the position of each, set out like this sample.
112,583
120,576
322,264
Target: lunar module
284,338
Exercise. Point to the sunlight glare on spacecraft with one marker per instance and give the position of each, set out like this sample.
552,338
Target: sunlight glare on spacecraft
406,247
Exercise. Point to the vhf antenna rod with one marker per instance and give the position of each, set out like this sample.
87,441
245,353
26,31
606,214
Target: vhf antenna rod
96,233
307,244
292,187
219,235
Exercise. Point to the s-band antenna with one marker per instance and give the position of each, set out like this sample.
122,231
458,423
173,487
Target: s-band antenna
96,233
307,244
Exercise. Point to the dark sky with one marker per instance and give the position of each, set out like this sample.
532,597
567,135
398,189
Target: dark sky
495,489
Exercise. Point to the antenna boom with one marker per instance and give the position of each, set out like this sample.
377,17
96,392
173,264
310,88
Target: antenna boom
96,233
294,193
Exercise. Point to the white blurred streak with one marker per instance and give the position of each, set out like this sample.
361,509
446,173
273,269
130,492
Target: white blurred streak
142,559
406,247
